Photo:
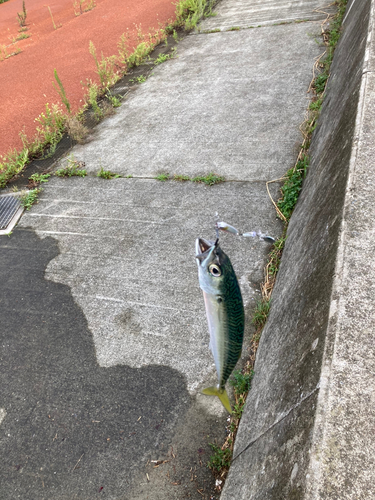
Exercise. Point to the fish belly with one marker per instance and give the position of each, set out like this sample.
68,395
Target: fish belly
226,325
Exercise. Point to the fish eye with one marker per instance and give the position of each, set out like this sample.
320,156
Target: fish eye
215,270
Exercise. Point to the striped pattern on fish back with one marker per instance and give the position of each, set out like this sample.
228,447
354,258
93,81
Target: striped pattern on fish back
234,318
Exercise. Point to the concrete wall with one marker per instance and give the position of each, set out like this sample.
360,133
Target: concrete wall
308,427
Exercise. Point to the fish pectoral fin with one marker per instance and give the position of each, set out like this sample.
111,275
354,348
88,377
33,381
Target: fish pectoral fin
221,394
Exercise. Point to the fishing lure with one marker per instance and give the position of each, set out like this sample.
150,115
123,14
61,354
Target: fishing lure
223,226
225,312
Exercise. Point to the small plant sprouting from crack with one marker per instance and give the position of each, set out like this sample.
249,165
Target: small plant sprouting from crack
292,186
163,57
28,198
163,177
138,79
220,459
181,178
209,179
73,169
107,174
260,313
189,12
114,100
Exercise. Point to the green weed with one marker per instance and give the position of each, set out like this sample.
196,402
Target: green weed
61,91
106,68
316,105
21,16
189,12
138,79
220,459
28,198
107,174
163,177
114,100
93,94
274,257
181,178
209,179
261,311
21,36
234,28
320,83
139,54
162,58
50,129
39,178
73,169
241,381
292,187
12,164
123,48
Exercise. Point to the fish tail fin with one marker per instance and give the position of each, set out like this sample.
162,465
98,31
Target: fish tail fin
221,394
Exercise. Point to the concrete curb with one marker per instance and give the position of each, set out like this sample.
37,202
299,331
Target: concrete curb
308,427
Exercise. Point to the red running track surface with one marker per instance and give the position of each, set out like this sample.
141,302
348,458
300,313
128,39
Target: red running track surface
27,79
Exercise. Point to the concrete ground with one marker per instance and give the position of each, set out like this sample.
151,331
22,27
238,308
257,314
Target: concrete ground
104,336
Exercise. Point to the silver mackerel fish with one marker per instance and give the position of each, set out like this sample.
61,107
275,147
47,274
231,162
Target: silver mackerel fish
224,309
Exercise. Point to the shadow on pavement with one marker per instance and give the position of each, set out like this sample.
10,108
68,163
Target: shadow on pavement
72,429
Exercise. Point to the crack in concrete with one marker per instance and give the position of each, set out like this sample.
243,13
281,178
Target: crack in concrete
277,422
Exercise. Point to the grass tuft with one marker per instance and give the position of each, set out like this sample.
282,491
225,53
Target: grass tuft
189,12
220,459
163,177
292,187
28,198
209,179
73,169
107,174
181,178
39,178
261,311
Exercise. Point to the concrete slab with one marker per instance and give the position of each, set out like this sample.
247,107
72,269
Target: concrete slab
127,254
231,103
235,13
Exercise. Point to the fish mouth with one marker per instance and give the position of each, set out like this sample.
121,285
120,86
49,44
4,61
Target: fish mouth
203,248
202,245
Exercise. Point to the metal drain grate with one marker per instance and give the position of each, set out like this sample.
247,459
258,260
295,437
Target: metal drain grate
10,211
